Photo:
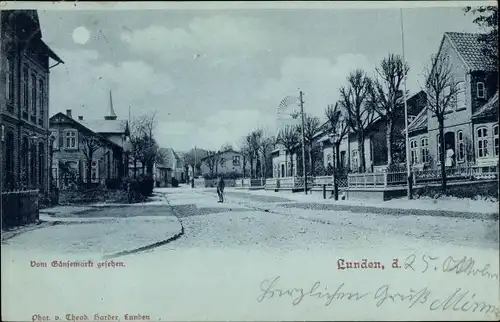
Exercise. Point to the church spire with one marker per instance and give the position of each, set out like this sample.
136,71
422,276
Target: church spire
111,113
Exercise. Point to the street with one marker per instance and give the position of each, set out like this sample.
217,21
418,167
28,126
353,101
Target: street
236,252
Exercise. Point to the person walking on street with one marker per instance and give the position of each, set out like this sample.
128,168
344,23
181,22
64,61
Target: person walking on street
220,189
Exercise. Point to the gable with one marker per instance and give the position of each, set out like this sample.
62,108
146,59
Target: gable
61,118
471,50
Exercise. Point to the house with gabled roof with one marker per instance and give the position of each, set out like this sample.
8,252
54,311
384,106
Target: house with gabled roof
172,166
471,124
72,141
224,163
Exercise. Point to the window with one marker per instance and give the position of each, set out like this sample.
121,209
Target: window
460,97
424,150
482,142
41,165
55,135
70,139
236,160
354,159
329,158
34,100
9,81
413,152
9,161
480,90
25,90
94,174
25,155
108,162
41,101
33,158
343,159
495,139
460,146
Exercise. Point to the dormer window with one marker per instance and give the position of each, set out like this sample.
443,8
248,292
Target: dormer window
480,90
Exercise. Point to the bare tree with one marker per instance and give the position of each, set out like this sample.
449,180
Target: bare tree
144,146
212,159
256,138
226,147
387,98
441,89
311,127
337,125
90,144
289,138
266,148
189,161
355,99
252,145
246,155
486,17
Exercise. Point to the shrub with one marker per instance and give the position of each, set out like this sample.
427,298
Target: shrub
113,183
229,175
140,187
175,182
487,190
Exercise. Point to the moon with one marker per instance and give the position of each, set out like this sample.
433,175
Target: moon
81,35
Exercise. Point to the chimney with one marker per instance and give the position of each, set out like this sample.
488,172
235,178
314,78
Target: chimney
80,118
68,113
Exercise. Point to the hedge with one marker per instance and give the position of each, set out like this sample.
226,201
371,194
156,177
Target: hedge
141,187
228,175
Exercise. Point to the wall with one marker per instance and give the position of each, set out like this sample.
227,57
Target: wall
458,118
282,158
461,112
76,155
491,159
12,112
225,164
353,145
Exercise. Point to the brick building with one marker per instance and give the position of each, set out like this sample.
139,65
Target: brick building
24,101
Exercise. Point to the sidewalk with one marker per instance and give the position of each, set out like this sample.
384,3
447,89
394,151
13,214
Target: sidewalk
452,205
107,231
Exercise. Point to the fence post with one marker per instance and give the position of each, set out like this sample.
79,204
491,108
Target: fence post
415,178
324,191
374,179
385,179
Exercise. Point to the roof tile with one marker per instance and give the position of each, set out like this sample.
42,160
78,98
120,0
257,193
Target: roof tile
488,109
471,50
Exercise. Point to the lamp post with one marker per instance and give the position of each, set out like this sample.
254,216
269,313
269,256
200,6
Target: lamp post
333,136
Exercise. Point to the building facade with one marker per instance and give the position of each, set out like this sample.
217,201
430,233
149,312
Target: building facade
471,120
75,146
24,101
228,162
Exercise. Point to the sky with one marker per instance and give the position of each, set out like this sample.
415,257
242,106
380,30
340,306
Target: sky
212,76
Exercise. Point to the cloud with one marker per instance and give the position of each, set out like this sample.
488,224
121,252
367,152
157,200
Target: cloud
204,38
224,126
319,79
84,81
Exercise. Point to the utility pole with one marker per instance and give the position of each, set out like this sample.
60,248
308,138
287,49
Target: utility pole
408,170
194,166
304,170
